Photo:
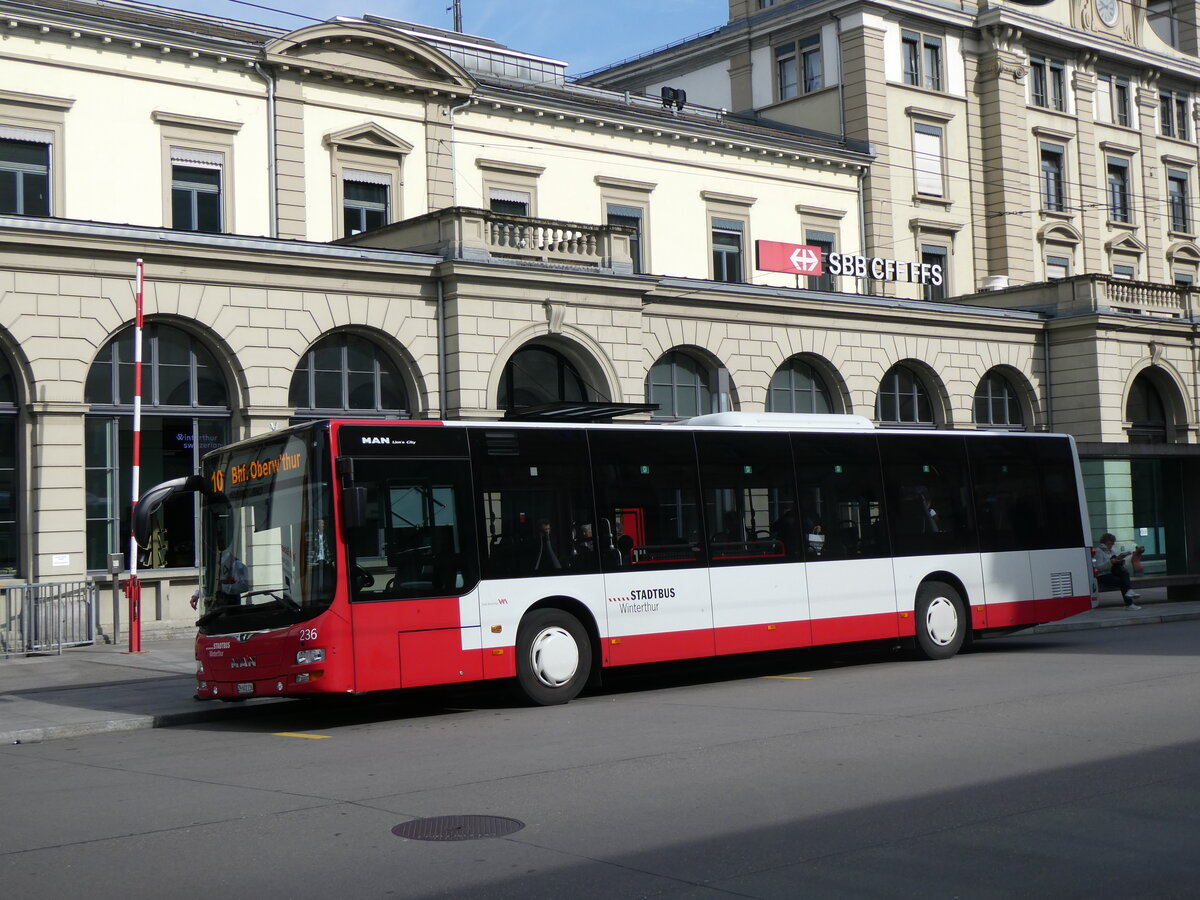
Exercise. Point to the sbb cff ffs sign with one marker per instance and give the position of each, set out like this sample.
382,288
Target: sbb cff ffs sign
796,259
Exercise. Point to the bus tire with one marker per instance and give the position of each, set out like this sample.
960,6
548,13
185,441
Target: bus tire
554,657
941,620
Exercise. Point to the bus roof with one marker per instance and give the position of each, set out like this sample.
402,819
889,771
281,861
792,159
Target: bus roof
785,421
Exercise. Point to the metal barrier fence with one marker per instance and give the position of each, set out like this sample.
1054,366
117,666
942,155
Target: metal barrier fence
41,618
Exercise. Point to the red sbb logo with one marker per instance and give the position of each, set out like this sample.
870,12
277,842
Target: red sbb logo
797,259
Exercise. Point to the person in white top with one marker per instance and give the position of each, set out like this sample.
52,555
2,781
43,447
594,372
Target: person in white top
1111,571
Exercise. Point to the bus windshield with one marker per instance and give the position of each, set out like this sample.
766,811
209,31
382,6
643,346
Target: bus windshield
268,555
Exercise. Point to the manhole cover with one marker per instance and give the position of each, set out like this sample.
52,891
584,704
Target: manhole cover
457,828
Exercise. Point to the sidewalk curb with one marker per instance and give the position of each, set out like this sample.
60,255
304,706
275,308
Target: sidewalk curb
135,723
1133,618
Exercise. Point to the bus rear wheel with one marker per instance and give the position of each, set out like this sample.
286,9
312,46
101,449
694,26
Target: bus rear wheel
554,657
941,621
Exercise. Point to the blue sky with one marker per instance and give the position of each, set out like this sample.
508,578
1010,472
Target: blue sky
585,34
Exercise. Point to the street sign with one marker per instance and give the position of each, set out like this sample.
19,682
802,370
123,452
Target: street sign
796,259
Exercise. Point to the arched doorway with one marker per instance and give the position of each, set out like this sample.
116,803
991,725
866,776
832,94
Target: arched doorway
185,413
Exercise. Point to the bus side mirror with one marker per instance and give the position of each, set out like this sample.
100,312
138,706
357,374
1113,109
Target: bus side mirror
354,506
152,500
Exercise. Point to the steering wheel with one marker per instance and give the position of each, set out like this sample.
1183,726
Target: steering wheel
363,578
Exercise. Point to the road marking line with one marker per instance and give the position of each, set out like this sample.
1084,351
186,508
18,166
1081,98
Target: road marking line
790,677
297,734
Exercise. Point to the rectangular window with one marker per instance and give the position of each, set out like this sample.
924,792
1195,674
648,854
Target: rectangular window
535,492
1120,102
825,241
509,203
927,160
1118,189
841,495
935,255
648,496
785,71
922,59
1177,199
799,67
1112,100
1025,494
810,57
1058,267
365,197
1124,271
1047,83
1173,114
630,217
928,495
748,489
196,190
1053,180
24,171
728,250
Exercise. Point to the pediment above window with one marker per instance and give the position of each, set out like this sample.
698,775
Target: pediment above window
1125,244
369,137
1184,252
1059,233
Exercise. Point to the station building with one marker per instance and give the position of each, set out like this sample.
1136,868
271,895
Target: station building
372,218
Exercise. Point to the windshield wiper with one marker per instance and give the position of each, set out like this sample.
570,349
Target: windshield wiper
281,598
238,609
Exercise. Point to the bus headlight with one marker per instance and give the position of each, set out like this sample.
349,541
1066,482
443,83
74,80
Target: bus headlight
312,655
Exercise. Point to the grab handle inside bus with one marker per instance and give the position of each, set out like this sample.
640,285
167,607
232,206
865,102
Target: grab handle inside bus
151,501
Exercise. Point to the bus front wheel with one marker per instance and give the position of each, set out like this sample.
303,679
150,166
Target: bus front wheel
941,620
554,657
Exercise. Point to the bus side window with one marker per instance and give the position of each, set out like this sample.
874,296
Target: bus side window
749,494
840,509
648,482
930,507
417,540
535,502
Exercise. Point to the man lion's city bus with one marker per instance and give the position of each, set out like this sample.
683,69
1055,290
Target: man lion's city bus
352,556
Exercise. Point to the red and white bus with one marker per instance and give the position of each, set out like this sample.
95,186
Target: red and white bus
352,556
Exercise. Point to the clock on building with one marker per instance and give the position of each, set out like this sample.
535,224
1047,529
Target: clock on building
1107,10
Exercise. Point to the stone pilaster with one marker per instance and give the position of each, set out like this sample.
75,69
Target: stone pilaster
1149,177
291,213
439,133
741,88
57,538
865,89
1007,184
1092,198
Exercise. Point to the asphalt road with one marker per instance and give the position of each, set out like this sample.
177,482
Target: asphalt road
1057,765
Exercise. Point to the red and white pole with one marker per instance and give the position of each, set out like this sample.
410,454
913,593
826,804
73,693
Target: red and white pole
135,589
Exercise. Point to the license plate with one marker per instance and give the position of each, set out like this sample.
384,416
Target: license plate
245,687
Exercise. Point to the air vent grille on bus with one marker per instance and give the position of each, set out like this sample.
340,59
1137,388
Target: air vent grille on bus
1062,584
502,443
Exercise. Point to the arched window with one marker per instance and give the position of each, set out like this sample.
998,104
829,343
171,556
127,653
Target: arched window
185,413
346,374
9,532
903,399
797,388
1146,412
681,386
537,375
996,403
